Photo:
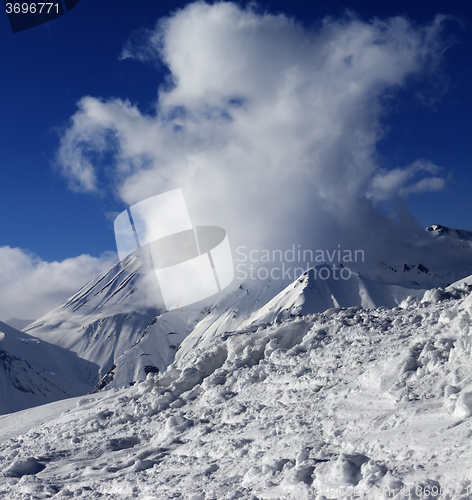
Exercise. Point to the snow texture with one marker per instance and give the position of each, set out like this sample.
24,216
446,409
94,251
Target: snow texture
125,346
347,403
114,324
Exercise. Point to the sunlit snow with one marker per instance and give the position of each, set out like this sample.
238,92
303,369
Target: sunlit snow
348,403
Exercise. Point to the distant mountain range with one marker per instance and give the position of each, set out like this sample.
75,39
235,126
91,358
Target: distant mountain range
347,403
114,335
460,234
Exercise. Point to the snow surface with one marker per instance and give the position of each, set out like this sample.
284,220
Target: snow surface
103,319
102,324
114,323
34,372
178,332
467,281
347,403
307,295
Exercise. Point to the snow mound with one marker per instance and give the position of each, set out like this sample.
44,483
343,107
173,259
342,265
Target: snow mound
177,333
309,294
348,403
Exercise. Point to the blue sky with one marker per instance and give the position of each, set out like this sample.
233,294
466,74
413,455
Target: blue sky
48,69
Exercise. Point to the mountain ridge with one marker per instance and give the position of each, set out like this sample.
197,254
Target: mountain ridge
113,322
34,372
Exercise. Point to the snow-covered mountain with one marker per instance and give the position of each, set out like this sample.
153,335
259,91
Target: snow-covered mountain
459,234
158,344
349,403
178,332
34,372
113,322
101,320
341,387
442,257
307,295
128,345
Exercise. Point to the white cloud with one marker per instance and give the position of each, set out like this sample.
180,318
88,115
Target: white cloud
30,287
386,185
268,127
424,185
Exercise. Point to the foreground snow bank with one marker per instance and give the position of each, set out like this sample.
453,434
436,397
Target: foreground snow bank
350,403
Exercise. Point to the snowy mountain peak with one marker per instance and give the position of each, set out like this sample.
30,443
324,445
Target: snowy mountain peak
460,234
113,322
126,346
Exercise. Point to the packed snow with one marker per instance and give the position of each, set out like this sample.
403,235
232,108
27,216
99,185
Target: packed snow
347,403
320,388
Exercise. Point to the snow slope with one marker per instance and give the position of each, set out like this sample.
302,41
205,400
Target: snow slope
348,403
307,295
34,372
460,234
178,332
100,321
467,281
444,257
113,320
311,294
162,339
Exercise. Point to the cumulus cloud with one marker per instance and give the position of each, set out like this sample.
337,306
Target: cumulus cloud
270,128
30,287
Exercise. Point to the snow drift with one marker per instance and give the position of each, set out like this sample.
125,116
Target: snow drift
348,403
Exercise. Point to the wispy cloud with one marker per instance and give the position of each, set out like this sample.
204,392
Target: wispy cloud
30,287
270,128
386,185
